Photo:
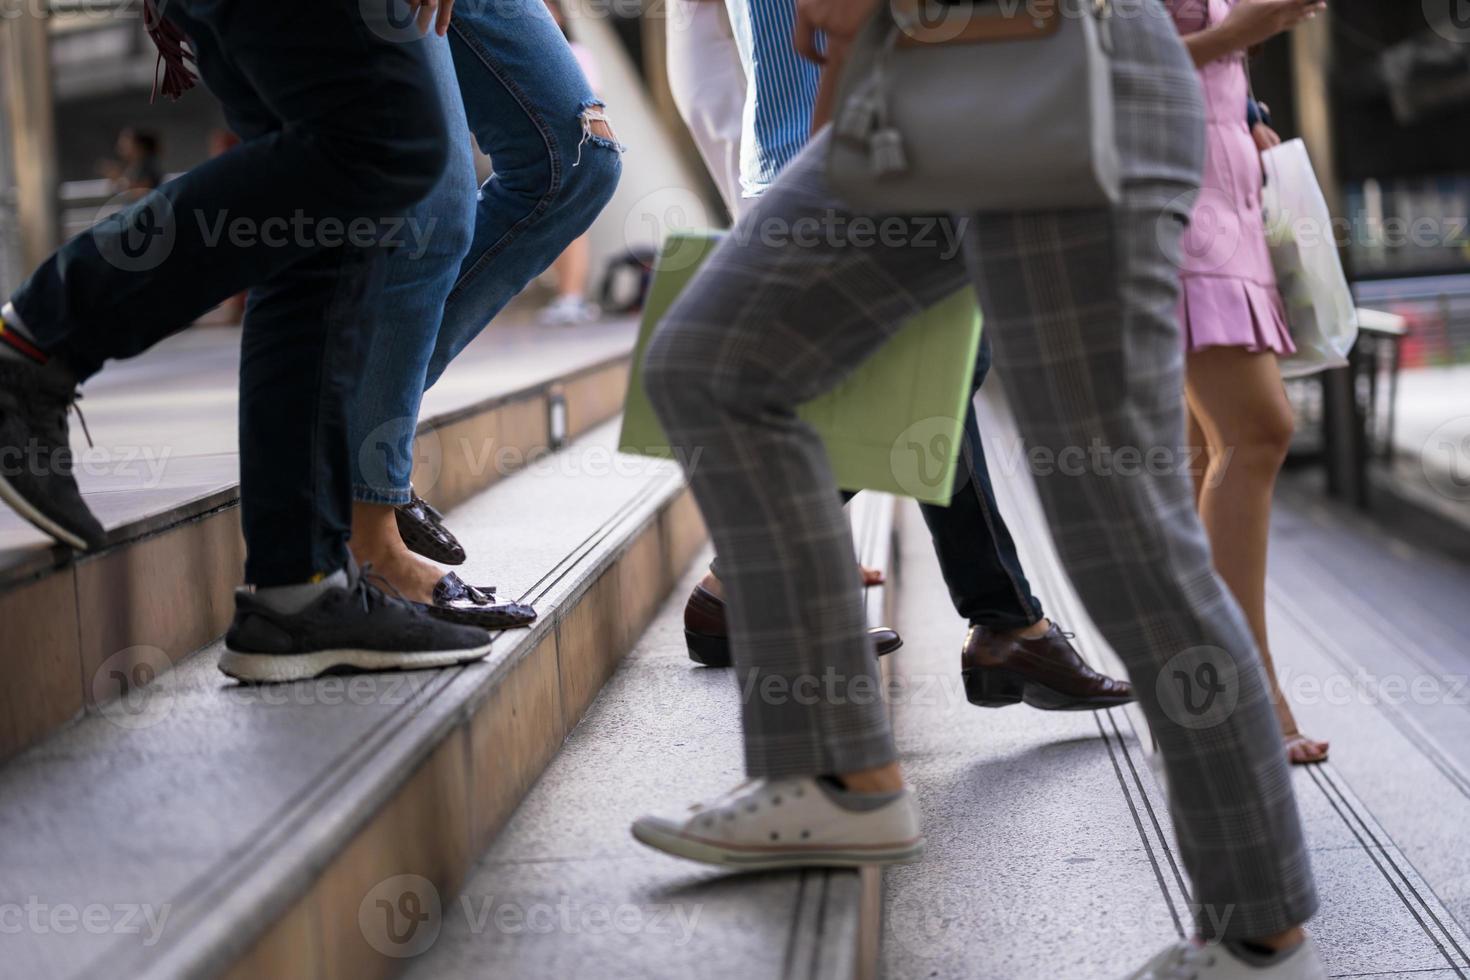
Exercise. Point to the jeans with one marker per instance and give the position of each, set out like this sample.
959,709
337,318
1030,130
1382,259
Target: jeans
977,555
508,77
342,131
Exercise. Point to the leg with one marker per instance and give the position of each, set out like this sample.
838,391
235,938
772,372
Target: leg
1082,309
1242,408
976,553
556,161
418,279
1012,653
760,330
325,160
362,137
1199,453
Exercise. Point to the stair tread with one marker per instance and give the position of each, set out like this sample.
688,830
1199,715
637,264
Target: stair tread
663,732
166,423
219,778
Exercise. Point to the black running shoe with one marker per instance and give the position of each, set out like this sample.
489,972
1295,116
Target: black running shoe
423,531
36,476
351,629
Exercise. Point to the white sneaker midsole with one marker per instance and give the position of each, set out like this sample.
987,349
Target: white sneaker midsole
756,856
279,667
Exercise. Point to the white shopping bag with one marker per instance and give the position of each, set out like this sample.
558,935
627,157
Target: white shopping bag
1319,305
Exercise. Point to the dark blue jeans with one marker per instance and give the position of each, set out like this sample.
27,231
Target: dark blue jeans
342,132
976,553
505,74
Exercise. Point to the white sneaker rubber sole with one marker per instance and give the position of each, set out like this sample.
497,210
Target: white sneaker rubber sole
35,518
757,858
276,668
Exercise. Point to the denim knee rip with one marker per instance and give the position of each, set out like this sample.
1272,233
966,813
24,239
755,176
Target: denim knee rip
594,111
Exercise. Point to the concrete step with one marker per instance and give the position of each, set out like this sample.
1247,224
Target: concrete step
78,633
566,891
200,828
1051,850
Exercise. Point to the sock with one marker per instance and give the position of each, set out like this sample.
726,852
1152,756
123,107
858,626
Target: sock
1257,955
852,800
15,343
290,599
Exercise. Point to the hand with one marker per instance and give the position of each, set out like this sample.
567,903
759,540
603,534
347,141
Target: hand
1265,137
840,20
435,12
1250,22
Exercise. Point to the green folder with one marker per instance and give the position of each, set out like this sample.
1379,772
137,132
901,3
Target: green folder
894,425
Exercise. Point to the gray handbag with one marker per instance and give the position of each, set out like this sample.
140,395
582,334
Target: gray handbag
1004,106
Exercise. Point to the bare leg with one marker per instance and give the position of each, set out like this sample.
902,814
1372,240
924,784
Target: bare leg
571,270
1240,405
376,541
1199,455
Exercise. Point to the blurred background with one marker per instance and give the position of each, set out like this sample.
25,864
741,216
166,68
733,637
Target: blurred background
1380,92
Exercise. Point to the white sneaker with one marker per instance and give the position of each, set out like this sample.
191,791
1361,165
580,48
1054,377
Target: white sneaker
566,311
1190,960
790,823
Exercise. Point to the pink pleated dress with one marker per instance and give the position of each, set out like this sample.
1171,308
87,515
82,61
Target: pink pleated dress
1229,296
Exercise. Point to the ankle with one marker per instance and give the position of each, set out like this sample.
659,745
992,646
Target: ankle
1280,941
712,584
884,779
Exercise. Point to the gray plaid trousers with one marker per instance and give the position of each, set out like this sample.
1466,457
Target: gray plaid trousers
1080,306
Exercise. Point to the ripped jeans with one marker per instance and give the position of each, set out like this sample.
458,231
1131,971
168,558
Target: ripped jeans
506,75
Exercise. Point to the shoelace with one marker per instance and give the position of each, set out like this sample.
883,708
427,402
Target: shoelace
376,591
724,798
62,401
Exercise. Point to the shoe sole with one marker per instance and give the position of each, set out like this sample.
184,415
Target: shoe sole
709,650
995,688
908,852
40,521
483,620
277,668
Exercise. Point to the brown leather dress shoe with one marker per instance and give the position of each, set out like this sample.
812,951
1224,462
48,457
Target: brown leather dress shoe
708,635
1045,673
